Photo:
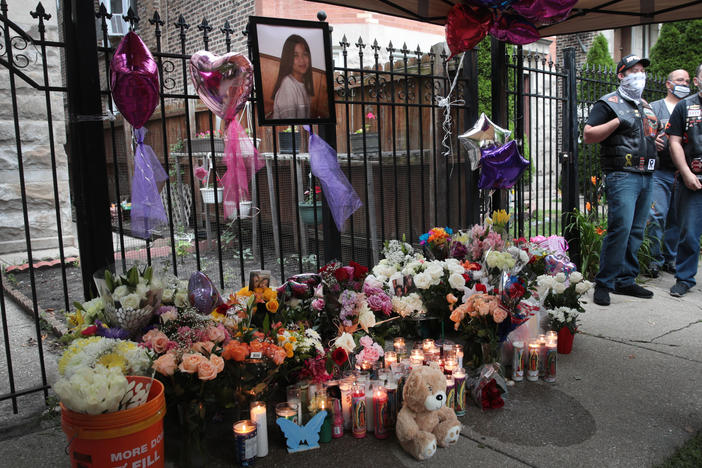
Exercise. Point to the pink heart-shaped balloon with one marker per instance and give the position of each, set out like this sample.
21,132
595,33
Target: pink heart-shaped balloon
134,80
222,82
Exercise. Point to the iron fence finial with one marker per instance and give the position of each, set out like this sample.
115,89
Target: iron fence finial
40,13
132,18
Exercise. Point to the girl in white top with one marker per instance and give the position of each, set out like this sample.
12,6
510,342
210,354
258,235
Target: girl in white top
293,87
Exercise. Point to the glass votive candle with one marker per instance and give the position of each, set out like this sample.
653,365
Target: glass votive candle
294,400
458,349
390,358
284,410
533,361
245,442
551,336
427,344
450,365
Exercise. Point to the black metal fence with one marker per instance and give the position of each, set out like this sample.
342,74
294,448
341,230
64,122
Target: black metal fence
406,179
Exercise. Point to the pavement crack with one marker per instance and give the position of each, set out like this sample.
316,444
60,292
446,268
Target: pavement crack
635,345
677,330
495,449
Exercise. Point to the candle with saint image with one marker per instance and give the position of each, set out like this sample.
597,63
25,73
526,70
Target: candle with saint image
459,378
370,419
533,361
345,388
258,416
459,354
550,365
380,412
358,411
390,358
542,354
393,402
551,336
450,392
518,361
338,419
245,442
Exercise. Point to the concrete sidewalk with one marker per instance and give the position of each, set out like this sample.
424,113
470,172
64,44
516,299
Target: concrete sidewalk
628,395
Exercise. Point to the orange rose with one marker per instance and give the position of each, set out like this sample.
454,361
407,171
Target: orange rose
278,356
236,351
190,362
204,347
160,342
218,362
256,346
272,306
165,364
269,294
206,370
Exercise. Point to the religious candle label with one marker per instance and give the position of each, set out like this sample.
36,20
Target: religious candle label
460,384
551,354
451,396
533,369
518,364
358,413
380,413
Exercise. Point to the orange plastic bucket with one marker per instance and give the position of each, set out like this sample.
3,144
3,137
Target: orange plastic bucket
131,438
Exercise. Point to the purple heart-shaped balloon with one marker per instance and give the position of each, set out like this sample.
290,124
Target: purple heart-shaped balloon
134,80
203,295
222,82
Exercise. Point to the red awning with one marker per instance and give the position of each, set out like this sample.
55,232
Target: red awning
587,15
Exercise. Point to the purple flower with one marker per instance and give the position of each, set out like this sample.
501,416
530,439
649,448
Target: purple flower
371,291
376,302
163,309
115,333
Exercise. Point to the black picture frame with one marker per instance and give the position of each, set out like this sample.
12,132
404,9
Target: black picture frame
267,38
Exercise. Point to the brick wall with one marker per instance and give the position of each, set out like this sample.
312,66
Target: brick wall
579,42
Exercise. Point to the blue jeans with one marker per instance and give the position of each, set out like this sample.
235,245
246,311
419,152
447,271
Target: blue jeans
663,221
690,231
628,203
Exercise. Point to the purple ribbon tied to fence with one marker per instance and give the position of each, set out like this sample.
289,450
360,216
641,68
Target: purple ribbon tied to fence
342,198
242,162
147,207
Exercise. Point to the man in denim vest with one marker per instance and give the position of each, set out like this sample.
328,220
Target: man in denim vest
627,128
684,131
663,220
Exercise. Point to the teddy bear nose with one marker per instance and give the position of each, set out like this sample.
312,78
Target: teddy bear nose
439,397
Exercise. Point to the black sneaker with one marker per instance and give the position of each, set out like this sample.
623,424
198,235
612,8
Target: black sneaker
679,289
652,272
668,268
635,290
601,296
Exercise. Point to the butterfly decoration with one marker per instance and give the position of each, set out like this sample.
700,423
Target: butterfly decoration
308,433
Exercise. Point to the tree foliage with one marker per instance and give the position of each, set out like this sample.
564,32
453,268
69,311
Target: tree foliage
598,55
678,46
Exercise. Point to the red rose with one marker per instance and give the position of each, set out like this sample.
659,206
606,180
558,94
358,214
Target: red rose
516,290
480,287
339,356
341,275
222,309
358,270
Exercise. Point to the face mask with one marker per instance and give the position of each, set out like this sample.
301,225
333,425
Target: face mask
681,91
633,85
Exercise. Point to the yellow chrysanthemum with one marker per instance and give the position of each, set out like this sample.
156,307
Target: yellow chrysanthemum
288,347
113,360
244,292
75,348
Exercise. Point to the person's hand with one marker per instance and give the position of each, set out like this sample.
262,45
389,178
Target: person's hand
660,143
691,181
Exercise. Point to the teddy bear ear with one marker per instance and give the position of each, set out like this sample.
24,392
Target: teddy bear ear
410,385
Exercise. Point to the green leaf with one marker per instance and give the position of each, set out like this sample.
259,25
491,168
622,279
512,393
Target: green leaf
78,306
133,276
148,273
267,324
330,365
109,280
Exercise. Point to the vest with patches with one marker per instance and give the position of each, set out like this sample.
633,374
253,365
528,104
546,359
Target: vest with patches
632,146
692,137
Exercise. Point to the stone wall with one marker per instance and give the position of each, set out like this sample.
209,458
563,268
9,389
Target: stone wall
34,144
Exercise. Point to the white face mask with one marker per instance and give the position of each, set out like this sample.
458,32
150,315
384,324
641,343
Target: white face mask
633,85
681,91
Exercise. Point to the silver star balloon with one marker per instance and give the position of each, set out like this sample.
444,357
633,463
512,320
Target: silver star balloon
484,132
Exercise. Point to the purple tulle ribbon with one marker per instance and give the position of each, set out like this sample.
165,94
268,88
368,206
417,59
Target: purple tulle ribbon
147,207
501,166
340,195
242,162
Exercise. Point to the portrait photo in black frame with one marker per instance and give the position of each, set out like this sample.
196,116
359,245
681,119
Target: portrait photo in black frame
295,58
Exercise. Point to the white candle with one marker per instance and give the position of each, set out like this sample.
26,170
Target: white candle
258,416
345,389
390,358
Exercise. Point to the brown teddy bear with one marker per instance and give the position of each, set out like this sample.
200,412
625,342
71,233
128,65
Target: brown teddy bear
424,420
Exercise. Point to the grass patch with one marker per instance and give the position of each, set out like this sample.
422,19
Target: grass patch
689,455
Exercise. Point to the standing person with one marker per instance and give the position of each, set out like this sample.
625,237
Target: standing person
663,221
684,131
294,86
626,127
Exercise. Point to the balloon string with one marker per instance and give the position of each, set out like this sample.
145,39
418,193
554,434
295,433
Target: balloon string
446,103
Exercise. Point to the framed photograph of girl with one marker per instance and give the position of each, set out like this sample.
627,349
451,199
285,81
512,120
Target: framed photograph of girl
293,71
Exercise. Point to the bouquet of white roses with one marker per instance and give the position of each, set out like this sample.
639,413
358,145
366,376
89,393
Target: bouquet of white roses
563,317
562,291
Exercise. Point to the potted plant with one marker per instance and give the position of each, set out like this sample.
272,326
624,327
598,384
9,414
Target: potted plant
371,138
285,140
207,191
202,144
308,207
